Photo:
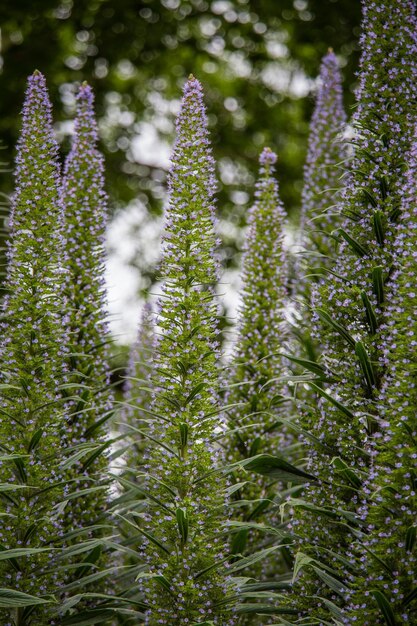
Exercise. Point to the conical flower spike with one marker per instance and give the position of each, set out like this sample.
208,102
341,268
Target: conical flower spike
388,559
262,324
349,308
32,356
186,580
320,213
138,390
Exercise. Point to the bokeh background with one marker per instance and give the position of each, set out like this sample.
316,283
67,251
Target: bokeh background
257,60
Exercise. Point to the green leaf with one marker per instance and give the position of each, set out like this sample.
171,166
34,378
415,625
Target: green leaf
195,392
366,365
182,521
368,197
251,559
263,609
333,608
160,579
233,488
410,538
410,597
239,541
21,471
88,562
384,607
95,455
311,366
80,451
12,457
16,552
154,540
36,437
341,330
378,226
333,583
370,313
268,465
255,445
183,434
211,567
266,586
301,560
343,469
344,409
233,526
378,283
100,616
358,248
9,598
13,487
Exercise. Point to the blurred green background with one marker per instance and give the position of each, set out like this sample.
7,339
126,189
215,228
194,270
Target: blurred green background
257,62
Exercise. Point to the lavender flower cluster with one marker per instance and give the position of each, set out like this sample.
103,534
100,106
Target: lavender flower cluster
350,313
49,322
184,548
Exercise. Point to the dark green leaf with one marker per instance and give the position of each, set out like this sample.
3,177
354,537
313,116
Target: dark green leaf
369,197
384,607
268,465
183,434
250,560
358,248
9,598
36,437
154,540
343,469
378,226
311,366
370,313
239,541
333,583
182,522
194,392
344,409
88,562
366,365
410,538
410,597
378,283
341,330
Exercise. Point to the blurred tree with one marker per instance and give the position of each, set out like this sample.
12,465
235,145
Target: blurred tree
256,61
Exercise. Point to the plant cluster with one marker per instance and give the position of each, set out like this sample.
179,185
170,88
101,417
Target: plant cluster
273,486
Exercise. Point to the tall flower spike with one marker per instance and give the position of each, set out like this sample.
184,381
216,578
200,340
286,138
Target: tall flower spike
261,335
322,171
349,308
91,398
261,325
138,391
389,561
32,356
186,582
135,415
